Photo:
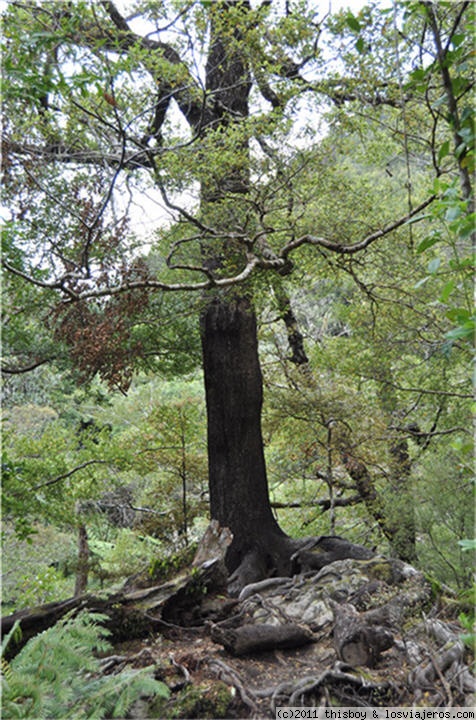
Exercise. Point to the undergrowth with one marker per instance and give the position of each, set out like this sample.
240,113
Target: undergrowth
57,675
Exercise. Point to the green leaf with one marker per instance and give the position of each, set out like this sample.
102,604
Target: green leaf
453,213
352,22
418,75
466,226
434,265
428,242
444,150
457,39
461,332
447,290
421,282
468,544
417,218
14,636
360,45
459,315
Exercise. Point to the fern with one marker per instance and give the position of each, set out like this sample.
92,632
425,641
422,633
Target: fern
57,675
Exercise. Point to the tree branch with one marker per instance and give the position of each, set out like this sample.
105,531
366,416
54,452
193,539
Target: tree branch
356,247
58,479
10,370
455,120
64,154
465,396
323,503
189,95
53,285
253,262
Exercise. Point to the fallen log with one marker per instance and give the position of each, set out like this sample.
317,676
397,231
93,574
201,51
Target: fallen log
131,613
260,637
35,620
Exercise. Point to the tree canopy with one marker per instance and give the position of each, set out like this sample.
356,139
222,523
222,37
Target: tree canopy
305,178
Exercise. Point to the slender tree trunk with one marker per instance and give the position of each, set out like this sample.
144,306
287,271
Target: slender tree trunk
451,99
82,569
403,527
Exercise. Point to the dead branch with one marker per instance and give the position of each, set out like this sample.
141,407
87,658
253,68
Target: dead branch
259,637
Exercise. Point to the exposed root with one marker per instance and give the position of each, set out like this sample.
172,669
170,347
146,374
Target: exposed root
446,665
117,663
231,677
185,673
313,690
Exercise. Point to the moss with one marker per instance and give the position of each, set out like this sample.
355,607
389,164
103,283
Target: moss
127,623
202,701
380,569
163,568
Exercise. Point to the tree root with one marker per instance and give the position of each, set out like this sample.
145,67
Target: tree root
446,665
116,663
342,685
231,677
186,675
291,557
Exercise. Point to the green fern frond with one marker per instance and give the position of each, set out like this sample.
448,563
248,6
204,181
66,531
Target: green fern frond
14,635
6,669
57,675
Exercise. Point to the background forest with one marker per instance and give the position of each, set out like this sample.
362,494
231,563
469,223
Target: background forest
366,357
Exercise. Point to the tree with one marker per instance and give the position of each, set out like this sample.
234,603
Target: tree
374,329
95,93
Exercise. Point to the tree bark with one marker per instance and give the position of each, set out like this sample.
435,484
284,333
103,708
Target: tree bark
403,528
401,533
239,497
357,642
82,570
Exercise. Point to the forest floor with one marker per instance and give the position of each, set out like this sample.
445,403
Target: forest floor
252,680
354,633
425,665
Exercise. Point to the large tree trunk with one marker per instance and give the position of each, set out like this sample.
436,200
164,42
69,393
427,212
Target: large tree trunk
239,496
233,383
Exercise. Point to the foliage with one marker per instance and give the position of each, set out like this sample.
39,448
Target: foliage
126,555
49,473
153,459
377,340
57,674
446,519
51,463
352,123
